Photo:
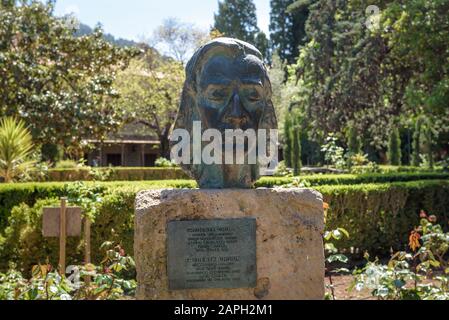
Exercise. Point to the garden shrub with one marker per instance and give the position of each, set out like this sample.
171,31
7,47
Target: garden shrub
24,243
350,179
377,216
14,194
115,174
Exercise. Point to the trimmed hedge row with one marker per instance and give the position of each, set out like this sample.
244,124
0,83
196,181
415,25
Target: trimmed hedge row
116,174
352,179
381,216
14,194
150,174
378,217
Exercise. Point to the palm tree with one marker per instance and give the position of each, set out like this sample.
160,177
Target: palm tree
15,148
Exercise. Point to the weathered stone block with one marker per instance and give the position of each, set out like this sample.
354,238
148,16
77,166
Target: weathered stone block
290,255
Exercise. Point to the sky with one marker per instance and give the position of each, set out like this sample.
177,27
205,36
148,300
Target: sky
137,19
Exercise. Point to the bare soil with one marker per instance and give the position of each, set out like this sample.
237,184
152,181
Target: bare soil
342,285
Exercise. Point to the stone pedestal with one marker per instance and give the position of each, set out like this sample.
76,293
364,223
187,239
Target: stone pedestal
290,254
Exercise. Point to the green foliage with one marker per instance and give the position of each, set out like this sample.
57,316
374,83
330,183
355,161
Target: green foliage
237,19
282,170
354,141
428,148
394,148
422,274
165,163
109,281
353,179
16,147
67,164
288,143
43,285
372,77
378,216
416,160
296,150
261,42
12,195
333,154
287,28
370,167
168,171
61,85
333,256
150,93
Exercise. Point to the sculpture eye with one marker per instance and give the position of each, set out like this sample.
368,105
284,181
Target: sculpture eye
218,95
254,96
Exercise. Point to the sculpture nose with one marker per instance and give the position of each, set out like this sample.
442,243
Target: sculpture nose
236,116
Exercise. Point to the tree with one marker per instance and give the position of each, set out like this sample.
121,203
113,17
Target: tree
394,147
354,141
59,84
428,147
288,143
287,27
151,88
375,76
261,42
178,39
416,158
237,19
296,149
16,147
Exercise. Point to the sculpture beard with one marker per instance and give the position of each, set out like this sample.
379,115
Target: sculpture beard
227,87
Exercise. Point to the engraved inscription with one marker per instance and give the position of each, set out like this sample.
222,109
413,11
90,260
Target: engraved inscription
212,254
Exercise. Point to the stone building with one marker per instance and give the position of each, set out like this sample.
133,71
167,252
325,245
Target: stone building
133,146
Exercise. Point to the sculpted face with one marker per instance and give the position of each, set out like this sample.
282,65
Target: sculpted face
227,88
231,92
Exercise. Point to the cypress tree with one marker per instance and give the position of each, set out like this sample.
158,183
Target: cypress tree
296,152
237,19
394,148
287,27
354,141
428,143
416,160
288,142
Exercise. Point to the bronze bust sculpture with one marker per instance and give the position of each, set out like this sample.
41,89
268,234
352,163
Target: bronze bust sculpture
227,88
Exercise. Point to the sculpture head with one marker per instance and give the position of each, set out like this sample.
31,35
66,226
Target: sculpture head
227,87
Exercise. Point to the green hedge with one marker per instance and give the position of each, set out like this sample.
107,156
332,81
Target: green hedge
352,179
378,216
116,174
391,174
381,216
14,194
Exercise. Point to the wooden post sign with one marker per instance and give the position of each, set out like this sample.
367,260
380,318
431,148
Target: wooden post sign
65,222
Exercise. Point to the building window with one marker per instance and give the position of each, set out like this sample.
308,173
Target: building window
114,160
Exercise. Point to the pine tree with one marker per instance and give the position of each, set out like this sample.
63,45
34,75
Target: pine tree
296,152
261,42
287,28
394,148
237,19
288,142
